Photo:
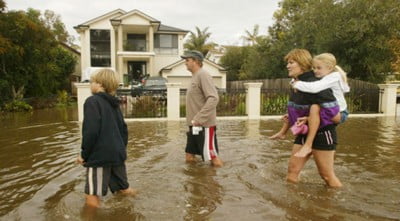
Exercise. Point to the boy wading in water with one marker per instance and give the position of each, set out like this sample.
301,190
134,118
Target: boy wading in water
104,140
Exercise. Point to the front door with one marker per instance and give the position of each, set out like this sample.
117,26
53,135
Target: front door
136,70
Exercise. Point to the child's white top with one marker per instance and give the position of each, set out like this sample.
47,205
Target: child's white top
333,81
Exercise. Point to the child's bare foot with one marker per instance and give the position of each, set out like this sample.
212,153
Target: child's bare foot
277,136
304,151
216,162
129,192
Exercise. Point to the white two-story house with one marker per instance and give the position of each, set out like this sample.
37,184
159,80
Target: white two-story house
135,44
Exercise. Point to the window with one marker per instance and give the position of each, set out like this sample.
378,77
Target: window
100,48
166,44
135,42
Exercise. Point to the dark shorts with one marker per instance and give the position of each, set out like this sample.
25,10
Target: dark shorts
204,143
99,179
325,139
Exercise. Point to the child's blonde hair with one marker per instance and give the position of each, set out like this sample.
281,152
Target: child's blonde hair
329,60
108,80
302,57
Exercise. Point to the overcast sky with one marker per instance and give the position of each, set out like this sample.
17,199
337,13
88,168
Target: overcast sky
227,19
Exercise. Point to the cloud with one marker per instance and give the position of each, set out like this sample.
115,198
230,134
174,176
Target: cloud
227,19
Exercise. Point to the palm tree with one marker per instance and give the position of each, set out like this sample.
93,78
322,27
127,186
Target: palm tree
198,41
253,37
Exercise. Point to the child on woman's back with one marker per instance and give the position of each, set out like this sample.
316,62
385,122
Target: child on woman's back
333,77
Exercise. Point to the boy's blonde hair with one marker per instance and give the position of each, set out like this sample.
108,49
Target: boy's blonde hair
330,60
108,80
302,57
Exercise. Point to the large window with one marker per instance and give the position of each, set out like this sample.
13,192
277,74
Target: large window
100,48
166,44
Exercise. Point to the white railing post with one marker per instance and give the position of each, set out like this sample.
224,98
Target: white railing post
173,98
253,100
83,92
387,99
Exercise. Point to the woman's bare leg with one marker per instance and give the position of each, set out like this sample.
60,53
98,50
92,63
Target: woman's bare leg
296,164
324,160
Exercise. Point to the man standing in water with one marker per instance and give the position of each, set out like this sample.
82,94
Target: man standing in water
201,112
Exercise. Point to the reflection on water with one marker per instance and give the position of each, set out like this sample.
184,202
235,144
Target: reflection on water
39,180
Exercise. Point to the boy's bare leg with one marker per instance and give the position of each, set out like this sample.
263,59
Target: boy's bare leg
313,125
217,162
92,201
190,158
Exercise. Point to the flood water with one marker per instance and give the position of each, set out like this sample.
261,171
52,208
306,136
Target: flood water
40,181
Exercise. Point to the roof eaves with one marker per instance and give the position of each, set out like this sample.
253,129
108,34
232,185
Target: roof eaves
103,16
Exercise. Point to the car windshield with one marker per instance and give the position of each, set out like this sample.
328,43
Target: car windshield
153,82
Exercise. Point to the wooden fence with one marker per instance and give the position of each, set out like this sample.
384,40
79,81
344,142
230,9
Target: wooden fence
363,96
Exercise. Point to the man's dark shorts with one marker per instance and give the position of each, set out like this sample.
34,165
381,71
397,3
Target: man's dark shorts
204,143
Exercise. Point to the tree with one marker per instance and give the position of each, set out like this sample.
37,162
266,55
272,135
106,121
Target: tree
31,63
357,32
198,41
53,22
233,61
3,6
252,37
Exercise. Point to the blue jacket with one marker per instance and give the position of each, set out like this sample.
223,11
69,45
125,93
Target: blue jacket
104,132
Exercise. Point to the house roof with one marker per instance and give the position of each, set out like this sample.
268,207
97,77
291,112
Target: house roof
177,63
170,29
121,14
73,50
111,14
135,11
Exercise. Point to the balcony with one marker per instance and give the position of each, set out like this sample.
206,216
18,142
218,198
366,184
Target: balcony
135,45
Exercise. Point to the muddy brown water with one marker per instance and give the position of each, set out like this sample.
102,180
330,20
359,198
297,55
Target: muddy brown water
40,181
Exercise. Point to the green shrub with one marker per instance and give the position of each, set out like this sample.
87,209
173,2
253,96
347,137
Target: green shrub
17,106
232,104
63,98
274,104
148,106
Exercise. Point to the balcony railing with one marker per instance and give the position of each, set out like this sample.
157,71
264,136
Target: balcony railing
135,45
